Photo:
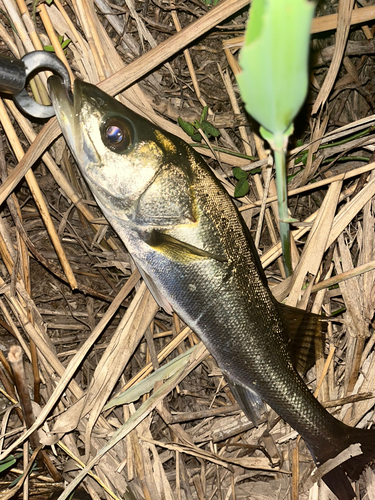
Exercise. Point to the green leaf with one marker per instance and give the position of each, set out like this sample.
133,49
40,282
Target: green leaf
239,174
62,42
204,113
304,158
266,134
197,137
186,127
301,158
209,129
7,463
192,128
65,43
291,176
274,61
242,188
197,124
255,171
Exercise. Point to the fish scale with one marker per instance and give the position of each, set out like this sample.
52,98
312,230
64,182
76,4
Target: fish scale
197,256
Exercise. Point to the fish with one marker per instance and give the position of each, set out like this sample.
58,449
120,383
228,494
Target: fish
196,255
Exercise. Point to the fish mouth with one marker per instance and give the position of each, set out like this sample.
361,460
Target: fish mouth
65,109
69,109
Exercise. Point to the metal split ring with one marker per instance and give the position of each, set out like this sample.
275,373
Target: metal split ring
35,62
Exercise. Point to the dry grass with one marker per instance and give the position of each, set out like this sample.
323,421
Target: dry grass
70,296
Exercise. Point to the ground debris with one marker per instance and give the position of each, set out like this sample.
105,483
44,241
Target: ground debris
71,297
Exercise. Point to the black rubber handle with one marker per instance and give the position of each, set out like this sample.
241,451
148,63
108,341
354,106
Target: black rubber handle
12,75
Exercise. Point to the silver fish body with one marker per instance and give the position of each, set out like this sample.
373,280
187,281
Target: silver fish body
197,257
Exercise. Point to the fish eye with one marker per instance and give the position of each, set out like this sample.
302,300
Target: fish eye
114,134
117,134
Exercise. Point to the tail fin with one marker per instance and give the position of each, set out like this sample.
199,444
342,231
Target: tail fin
338,479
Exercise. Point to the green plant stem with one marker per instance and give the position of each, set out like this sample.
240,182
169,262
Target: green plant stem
346,158
348,139
279,146
338,143
223,150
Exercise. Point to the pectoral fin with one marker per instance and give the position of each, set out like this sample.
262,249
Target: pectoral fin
179,250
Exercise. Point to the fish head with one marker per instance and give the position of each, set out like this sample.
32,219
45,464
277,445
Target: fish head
116,150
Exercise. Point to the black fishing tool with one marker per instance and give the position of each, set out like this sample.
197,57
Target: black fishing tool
14,74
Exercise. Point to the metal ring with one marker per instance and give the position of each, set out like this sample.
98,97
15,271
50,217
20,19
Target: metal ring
35,62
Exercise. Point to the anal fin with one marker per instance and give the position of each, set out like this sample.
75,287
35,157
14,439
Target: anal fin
249,401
